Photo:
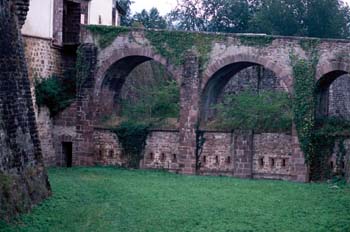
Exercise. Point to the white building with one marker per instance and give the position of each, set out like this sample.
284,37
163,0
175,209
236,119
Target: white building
60,20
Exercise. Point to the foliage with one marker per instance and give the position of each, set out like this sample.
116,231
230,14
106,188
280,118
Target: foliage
126,19
56,93
257,41
211,15
150,19
304,104
153,103
109,199
315,18
174,44
132,135
309,44
266,111
107,34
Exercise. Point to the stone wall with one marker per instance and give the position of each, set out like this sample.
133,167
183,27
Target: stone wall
162,151
272,156
23,179
240,154
339,98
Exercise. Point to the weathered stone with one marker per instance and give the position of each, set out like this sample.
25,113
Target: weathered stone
23,179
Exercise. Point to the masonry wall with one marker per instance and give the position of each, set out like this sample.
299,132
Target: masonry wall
236,154
339,97
23,179
43,61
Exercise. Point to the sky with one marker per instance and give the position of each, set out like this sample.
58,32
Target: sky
164,6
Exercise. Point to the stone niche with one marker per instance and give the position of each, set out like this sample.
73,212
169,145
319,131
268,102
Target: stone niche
23,179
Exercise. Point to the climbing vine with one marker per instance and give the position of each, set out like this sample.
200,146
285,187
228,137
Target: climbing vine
132,136
107,34
56,93
304,103
174,44
256,41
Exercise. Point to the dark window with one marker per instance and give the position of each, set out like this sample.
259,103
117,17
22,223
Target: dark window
204,159
272,163
261,162
228,160
174,158
284,162
151,156
162,157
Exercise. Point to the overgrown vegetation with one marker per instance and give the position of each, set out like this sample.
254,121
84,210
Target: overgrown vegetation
174,44
148,106
107,34
109,199
132,135
268,111
304,104
256,41
55,92
153,103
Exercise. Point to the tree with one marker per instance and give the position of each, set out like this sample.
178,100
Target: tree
126,19
316,18
151,19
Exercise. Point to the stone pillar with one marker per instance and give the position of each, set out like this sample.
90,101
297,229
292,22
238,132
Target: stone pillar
23,179
83,148
189,113
299,170
243,154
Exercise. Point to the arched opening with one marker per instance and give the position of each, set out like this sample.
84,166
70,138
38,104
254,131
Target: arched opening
141,89
245,95
332,125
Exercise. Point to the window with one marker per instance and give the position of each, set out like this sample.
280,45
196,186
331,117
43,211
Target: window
174,158
261,162
272,162
228,160
162,157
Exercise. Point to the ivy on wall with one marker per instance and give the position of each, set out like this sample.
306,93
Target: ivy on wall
304,104
174,44
132,136
106,34
56,93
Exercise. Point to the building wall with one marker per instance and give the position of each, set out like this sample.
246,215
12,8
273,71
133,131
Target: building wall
39,19
101,8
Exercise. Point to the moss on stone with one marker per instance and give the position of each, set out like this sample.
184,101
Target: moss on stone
256,41
174,44
309,44
107,34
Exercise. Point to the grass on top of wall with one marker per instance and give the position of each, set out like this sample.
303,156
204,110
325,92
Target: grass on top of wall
109,199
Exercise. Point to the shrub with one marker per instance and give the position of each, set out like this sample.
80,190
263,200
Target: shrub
56,93
266,111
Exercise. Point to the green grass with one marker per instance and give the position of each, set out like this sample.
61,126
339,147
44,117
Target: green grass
108,199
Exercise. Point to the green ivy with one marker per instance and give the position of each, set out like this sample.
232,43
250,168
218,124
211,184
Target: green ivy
107,34
309,44
174,44
132,135
256,41
304,104
56,93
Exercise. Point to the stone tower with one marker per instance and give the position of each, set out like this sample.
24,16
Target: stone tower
23,179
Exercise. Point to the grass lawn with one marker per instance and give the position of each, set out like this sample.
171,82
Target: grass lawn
108,199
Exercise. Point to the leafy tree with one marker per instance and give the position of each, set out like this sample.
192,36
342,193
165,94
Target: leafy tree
151,19
126,19
317,18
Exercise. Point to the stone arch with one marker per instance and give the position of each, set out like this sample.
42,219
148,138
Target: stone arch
141,54
282,73
218,74
326,74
